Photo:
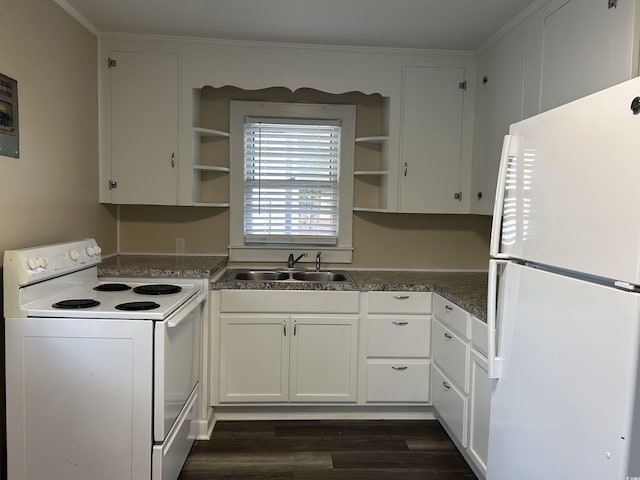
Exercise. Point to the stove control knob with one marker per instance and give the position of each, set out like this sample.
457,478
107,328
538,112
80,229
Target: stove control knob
33,263
43,262
74,255
97,249
91,251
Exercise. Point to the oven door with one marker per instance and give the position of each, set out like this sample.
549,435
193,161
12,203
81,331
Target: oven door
176,363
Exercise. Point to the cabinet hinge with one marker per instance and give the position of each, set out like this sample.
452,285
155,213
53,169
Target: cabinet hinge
113,184
111,62
613,4
458,196
463,85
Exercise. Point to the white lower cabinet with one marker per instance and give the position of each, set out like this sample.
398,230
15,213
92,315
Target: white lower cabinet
460,386
397,348
323,363
451,404
479,408
254,358
287,357
398,382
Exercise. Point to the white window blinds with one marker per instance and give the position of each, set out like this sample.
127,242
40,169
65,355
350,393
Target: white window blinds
291,181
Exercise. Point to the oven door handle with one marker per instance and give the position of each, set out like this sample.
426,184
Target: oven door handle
184,311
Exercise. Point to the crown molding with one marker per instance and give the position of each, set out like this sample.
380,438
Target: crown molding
511,25
285,46
78,16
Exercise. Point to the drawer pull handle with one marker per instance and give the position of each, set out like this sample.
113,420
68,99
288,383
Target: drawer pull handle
401,297
285,328
446,386
399,367
400,324
448,308
448,336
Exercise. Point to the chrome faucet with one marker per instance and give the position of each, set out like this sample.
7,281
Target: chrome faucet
318,261
292,261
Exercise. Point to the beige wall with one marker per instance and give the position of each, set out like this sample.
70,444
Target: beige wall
50,193
383,240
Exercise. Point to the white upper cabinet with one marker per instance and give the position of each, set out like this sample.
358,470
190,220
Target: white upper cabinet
588,45
565,50
499,97
431,139
140,142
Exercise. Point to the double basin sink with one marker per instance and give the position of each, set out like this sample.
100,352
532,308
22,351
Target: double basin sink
290,275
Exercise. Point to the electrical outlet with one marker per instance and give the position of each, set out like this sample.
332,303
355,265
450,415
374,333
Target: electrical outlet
179,248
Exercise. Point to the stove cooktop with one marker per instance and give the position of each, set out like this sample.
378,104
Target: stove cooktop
113,300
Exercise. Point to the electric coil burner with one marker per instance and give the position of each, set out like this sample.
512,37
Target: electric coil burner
157,289
112,287
137,306
77,303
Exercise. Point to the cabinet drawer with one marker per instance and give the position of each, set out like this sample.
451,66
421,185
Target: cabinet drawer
399,302
451,405
451,315
399,336
450,353
479,338
398,381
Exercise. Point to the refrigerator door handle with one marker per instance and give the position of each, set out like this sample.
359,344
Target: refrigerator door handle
493,343
508,145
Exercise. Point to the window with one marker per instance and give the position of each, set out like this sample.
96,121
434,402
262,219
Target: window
291,180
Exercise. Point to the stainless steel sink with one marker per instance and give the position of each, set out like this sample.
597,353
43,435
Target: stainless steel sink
284,275
320,276
261,275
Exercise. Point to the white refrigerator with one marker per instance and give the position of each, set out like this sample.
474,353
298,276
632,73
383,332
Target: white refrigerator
564,294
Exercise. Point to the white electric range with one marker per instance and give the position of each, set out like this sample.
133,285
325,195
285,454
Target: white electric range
102,377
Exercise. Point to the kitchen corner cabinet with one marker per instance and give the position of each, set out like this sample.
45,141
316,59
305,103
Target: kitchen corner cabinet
479,410
431,140
140,148
451,359
587,45
461,388
396,363
499,96
288,347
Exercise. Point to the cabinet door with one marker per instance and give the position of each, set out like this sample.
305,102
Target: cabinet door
479,408
254,358
587,46
499,102
432,102
324,359
450,404
144,128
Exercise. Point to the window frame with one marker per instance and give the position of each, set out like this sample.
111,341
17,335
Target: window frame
343,250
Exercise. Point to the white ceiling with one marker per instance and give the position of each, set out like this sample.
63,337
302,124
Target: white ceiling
432,24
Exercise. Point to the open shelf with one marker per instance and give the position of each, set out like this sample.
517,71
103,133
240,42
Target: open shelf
210,154
377,139
211,168
209,132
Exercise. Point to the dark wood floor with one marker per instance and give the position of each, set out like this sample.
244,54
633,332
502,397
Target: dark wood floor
326,450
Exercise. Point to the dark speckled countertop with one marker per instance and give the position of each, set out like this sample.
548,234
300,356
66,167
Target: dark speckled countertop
466,289
168,266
